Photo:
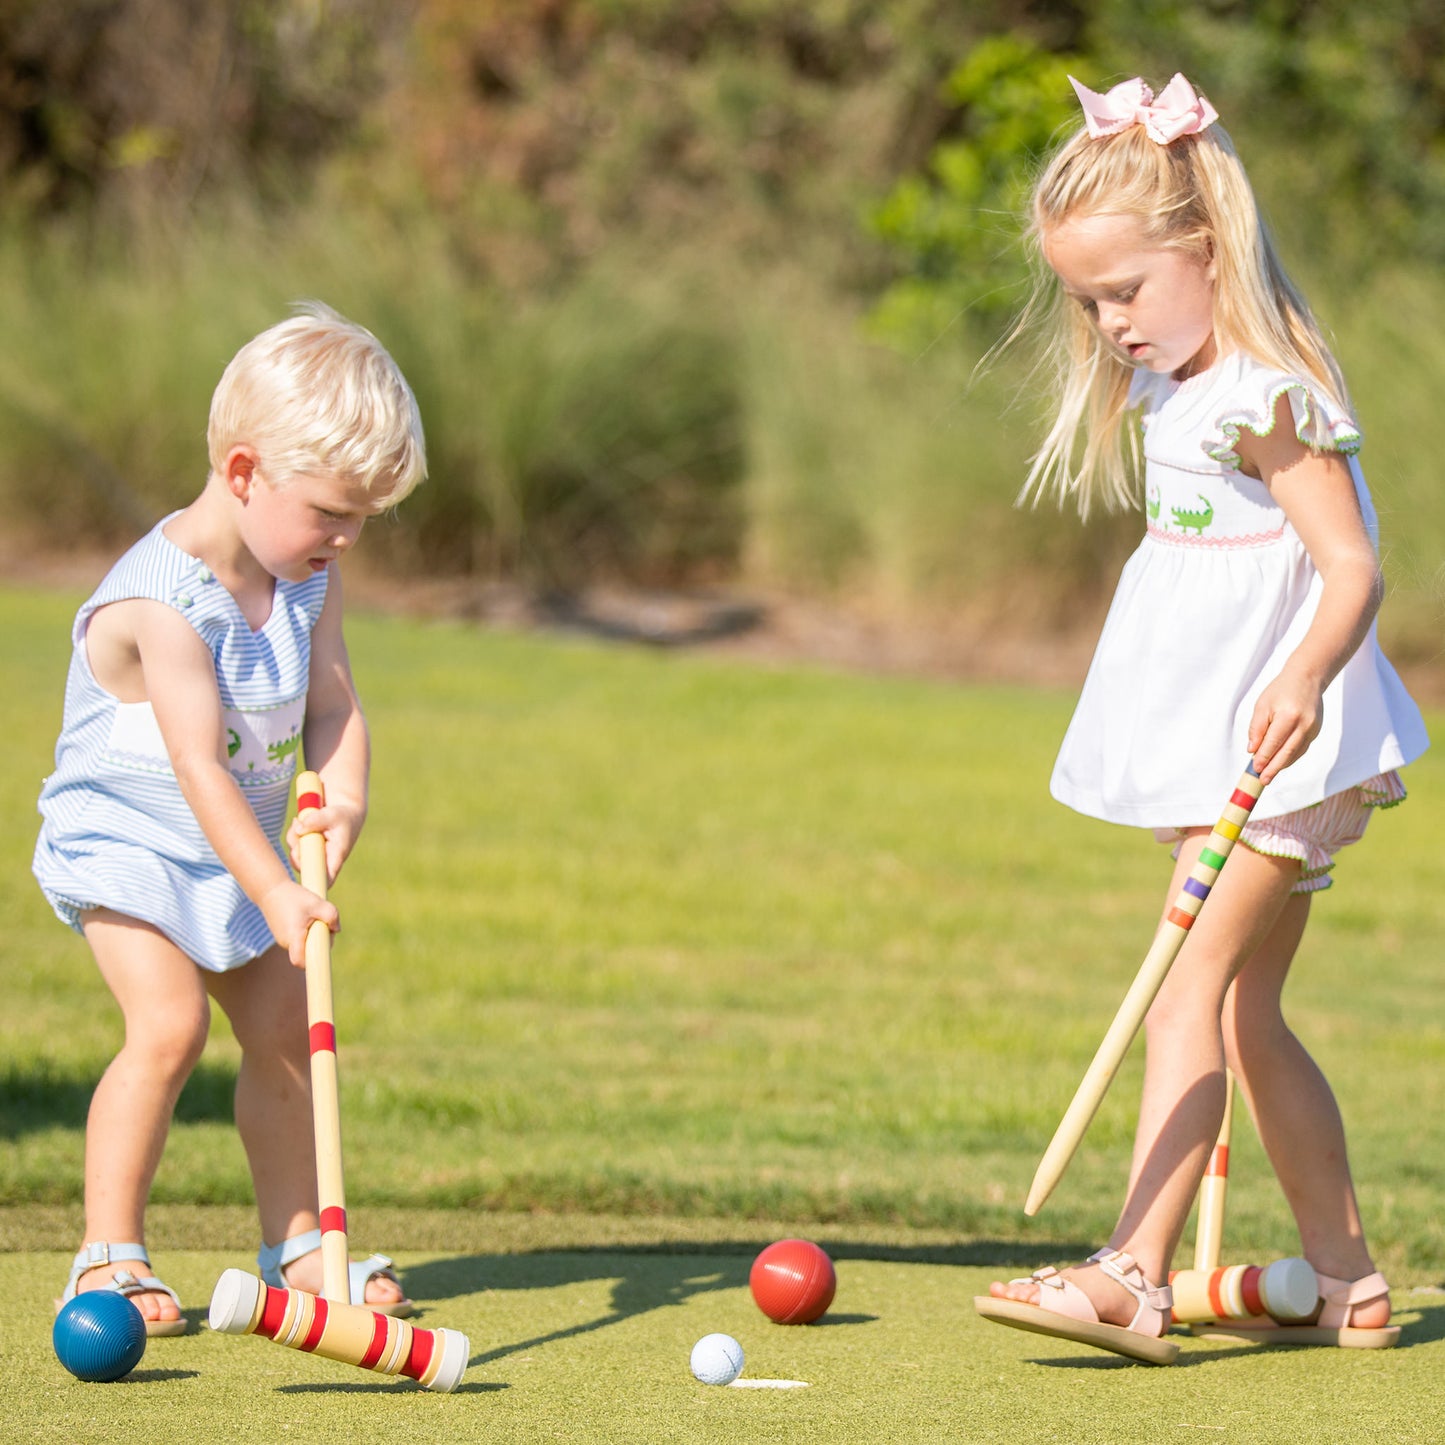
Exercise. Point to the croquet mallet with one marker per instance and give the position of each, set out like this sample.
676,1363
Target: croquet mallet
330,1325
1147,982
1285,1291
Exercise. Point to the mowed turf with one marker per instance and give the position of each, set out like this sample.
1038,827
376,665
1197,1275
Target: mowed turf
592,1345
719,952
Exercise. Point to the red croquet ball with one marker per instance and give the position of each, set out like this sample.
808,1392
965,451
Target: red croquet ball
793,1281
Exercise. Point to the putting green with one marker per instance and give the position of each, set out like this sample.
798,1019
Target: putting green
591,1344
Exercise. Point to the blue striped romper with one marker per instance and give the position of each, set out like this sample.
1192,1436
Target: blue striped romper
117,833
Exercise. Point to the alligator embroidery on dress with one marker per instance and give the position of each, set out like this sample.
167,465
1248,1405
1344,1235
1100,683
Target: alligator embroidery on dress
280,751
233,742
1194,522
1151,503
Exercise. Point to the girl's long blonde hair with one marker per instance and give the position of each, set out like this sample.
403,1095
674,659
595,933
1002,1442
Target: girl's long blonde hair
1191,194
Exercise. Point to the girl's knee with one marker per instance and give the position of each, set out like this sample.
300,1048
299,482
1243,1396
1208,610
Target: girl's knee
1252,1033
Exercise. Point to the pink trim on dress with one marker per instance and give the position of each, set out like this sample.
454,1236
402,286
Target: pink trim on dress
1180,539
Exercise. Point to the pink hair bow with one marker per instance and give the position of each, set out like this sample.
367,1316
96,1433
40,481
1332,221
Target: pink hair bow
1179,109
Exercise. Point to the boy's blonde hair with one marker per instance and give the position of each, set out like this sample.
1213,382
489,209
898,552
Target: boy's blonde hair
1191,194
320,395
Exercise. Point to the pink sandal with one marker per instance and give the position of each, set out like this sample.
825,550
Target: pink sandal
1339,1300
1065,1312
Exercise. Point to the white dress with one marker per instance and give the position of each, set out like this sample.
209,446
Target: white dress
1216,597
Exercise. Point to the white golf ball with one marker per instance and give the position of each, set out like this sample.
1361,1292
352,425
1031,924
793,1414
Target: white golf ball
717,1359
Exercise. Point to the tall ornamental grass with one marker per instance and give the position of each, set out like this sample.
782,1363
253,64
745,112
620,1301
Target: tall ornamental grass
652,420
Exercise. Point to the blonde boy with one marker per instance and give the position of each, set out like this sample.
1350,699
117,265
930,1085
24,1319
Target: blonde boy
207,658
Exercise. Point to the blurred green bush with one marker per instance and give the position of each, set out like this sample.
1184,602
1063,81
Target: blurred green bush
691,291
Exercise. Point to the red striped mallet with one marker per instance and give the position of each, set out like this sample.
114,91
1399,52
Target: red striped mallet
332,1326
1147,982
243,1305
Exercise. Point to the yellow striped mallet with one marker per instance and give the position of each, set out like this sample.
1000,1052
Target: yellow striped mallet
331,1325
1147,982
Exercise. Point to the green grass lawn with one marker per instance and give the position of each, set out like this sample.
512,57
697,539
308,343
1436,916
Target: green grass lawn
731,950
591,1345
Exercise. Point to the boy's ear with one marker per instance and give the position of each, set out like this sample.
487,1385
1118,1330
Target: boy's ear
239,471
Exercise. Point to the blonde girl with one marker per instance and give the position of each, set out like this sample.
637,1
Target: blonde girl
1242,627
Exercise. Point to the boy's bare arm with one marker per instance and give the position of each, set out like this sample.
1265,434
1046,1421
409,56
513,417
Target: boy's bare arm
180,683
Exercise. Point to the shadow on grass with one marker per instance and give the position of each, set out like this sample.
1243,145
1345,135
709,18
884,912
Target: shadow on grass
1427,1329
651,1277
645,1278
45,1095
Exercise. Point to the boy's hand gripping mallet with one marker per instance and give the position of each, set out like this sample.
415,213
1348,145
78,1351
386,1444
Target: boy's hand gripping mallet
331,1325
1147,983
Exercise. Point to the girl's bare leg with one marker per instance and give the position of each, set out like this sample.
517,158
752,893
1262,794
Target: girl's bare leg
1295,1113
1183,1095
167,1017
266,1005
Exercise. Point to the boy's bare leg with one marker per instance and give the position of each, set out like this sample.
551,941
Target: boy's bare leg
266,1005
167,1016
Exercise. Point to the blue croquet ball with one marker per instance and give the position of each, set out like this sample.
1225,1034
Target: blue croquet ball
99,1335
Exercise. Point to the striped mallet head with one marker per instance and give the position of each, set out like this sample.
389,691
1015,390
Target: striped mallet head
244,1305
1286,1291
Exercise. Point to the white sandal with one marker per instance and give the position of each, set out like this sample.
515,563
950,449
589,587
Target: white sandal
93,1256
272,1260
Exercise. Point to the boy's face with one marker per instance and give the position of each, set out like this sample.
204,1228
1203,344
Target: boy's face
296,528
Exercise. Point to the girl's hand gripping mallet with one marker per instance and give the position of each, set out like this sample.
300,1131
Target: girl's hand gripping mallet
331,1325
1147,983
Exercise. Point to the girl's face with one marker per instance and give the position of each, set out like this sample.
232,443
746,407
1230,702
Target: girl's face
1154,304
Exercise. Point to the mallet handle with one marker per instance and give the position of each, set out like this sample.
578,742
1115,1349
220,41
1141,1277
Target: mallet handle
1147,983
1213,1188
325,1092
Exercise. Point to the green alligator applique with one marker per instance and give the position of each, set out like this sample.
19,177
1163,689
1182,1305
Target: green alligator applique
1194,522
1151,504
233,742
279,752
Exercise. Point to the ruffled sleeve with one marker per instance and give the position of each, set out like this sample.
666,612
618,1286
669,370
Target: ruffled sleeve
1318,422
